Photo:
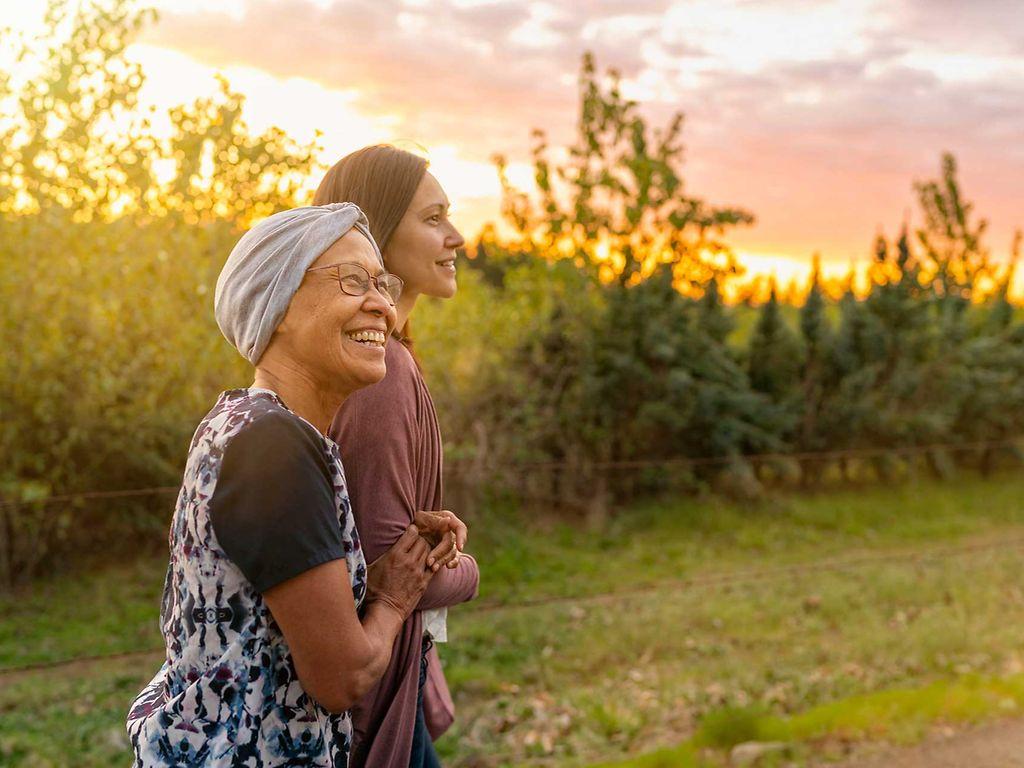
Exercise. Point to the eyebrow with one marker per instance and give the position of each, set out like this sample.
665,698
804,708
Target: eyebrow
443,206
380,270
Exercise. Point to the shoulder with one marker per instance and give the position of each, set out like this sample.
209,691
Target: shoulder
280,427
271,441
275,507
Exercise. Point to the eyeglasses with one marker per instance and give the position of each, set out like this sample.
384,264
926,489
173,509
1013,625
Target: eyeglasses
355,280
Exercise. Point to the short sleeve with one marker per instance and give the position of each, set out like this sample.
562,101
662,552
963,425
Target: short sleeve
273,508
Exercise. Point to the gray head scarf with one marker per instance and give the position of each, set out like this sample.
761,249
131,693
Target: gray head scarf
267,266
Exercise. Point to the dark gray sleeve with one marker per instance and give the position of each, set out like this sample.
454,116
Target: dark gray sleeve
273,508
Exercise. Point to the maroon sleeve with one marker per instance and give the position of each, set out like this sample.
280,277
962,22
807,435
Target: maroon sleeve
375,430
378,435
451,586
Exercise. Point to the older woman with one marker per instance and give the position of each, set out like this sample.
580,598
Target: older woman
273,624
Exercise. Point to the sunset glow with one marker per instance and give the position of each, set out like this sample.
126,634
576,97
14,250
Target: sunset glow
817,117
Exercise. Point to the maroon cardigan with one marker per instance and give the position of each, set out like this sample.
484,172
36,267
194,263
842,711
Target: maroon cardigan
391,449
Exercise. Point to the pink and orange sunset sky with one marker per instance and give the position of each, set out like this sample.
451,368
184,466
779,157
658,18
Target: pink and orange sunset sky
816,116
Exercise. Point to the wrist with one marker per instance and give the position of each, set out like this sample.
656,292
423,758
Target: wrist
385,604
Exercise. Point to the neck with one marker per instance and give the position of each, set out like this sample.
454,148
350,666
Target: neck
404,307
300,393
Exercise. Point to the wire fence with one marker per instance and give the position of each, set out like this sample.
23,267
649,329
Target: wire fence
70,498
460,470
752,458
843,565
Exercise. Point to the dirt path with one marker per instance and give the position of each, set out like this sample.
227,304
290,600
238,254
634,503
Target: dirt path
996,745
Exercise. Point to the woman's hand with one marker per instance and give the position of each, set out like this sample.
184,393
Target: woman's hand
398,577
446,533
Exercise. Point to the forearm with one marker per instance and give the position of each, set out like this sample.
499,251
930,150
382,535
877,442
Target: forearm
338,655
451,586
381,624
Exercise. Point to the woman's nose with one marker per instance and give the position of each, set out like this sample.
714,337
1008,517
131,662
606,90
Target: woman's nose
375,300
379,305
455,239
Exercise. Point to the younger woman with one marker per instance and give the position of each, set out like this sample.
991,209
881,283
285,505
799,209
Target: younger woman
391,447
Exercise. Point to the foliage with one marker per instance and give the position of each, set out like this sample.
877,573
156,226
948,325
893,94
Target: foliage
113,354
619,365
618,205
955,256
580,353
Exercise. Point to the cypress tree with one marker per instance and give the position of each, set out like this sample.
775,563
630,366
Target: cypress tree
714,318
774,358
817,340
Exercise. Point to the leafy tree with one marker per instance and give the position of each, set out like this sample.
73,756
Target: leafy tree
955,257
108,277
1000,314
225,173
618,206
77,139
648,374
59,146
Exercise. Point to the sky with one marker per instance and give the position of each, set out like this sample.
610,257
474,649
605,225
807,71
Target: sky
817,116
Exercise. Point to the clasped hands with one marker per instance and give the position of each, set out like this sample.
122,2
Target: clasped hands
443,531
400,575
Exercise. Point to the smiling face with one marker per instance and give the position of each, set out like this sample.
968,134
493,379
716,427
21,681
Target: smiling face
328,337
421,250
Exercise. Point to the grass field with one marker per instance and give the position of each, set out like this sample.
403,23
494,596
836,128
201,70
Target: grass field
686,625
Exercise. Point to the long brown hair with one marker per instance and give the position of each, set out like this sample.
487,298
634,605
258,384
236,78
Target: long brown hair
380,179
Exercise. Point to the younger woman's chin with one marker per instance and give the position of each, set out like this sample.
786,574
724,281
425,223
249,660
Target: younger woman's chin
443,290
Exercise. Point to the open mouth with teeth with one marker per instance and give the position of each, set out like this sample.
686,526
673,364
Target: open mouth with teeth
368,338
447,263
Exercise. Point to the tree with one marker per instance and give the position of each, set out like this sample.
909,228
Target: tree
112,351
714,317
955,258
1000,314
59,146
774,358
816,333
77,140
618,206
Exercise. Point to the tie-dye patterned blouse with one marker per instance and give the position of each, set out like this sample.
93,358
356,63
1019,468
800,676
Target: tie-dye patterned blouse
227,693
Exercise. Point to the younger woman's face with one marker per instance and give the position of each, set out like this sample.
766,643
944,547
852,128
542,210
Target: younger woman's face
421,250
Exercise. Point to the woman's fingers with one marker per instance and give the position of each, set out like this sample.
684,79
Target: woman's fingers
420,549
456,526
408,539
446,533
461,533
433,525
443,552
399,576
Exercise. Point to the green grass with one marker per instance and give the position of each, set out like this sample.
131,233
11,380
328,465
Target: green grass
107,611
900,715
51,716
583,680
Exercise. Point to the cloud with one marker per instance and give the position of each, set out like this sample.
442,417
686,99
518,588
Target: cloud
982,26
792,105
480,76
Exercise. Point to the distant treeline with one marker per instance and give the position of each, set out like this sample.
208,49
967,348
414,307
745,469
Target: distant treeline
579,351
